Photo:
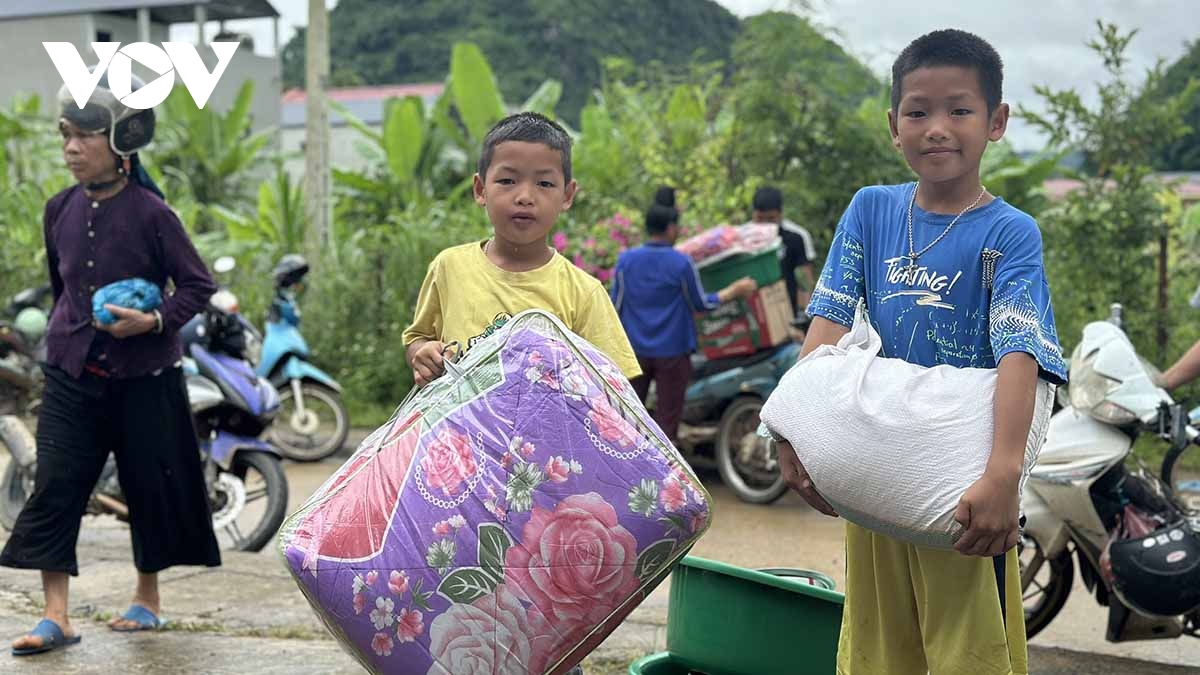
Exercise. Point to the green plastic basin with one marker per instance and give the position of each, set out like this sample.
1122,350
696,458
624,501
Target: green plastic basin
657,664
728,620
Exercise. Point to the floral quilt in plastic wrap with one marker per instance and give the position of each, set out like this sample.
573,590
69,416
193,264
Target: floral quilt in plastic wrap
505,520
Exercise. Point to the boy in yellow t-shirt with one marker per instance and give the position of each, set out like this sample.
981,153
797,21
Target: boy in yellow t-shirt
524,182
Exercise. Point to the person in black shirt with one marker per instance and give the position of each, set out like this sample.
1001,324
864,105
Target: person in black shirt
796,255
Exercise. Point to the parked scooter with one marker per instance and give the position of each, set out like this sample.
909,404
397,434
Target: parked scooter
232,408
20,393
314,422
246,485
1081,489
720,420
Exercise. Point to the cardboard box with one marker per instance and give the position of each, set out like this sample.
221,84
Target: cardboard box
742,327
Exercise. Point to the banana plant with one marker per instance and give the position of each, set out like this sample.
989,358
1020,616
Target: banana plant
1018,180
427,153
278,221
211,151
31,171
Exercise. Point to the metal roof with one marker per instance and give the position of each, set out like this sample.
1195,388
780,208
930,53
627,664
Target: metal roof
161,11
366,103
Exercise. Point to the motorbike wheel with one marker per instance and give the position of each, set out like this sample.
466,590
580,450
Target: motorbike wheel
265,501
318,433
746,461
1045,584
15,488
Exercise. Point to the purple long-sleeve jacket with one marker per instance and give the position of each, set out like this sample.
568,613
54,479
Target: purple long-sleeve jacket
90,244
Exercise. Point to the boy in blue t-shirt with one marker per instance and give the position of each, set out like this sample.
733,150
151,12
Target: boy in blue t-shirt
951,275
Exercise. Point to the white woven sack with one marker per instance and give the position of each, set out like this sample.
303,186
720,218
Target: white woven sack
892,446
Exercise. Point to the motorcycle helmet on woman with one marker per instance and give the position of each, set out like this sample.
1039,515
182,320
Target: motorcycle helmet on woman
129,130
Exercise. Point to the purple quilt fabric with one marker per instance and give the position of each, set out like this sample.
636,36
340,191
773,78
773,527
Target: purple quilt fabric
504,521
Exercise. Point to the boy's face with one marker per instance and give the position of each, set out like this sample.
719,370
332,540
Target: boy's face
768,216
524,191
942,123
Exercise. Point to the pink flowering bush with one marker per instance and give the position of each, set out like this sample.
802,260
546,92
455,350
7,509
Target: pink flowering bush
595,248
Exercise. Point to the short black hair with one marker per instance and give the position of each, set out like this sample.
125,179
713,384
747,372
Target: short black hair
529,127
665,195
952,47
660,217
768,198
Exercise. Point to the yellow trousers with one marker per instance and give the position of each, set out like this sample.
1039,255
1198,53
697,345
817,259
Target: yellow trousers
912,610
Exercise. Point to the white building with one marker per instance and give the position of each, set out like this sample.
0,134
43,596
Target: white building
346,145
26,24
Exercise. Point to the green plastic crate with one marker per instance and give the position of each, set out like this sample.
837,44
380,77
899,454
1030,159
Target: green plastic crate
727,620
761,267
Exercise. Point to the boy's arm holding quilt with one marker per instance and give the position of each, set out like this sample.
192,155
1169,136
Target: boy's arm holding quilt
422,338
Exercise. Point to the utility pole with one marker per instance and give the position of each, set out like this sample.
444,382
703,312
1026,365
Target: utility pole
317,189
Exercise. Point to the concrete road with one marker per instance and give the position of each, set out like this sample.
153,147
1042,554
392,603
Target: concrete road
790,534
248,617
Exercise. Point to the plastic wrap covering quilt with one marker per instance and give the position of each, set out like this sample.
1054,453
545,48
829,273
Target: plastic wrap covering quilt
505,520
718,244
892,446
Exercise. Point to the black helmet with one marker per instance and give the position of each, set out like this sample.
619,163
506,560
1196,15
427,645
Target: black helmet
290,270
1157,574
129,129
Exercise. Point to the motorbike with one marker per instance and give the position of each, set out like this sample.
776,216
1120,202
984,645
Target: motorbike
230,406
1085,482
314,423
720,420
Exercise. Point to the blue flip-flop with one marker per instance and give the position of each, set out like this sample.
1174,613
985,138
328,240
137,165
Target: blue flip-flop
144,618
52,638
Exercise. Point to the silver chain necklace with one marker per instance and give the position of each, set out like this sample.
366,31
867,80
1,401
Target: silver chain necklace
910,270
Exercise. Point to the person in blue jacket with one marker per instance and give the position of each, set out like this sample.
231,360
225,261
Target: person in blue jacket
657,292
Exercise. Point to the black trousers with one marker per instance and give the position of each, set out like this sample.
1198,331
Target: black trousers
147,424
672,376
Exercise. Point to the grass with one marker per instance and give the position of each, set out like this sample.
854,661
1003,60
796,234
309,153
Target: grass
1151,450
367,415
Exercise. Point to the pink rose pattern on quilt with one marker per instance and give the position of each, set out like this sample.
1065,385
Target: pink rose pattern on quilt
531,514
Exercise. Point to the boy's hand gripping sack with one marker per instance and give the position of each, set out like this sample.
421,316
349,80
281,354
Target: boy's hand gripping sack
505,520
892,446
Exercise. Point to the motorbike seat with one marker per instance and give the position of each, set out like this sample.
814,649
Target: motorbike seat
708,368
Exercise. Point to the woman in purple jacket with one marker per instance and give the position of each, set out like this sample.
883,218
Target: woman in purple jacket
117,388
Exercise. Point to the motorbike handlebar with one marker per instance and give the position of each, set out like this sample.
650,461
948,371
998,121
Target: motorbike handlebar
1174,426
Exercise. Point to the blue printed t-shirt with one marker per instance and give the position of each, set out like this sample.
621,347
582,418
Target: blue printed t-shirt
945,313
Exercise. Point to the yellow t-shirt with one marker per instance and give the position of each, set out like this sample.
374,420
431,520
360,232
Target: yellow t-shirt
465,297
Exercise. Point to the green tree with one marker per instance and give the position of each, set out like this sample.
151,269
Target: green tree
1019,181
1182,154
31,171
1108,240
207,154
787,45
530,41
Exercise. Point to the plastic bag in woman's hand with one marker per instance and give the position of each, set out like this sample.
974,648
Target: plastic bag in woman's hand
135,293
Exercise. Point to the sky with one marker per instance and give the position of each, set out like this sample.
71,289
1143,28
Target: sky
1042,42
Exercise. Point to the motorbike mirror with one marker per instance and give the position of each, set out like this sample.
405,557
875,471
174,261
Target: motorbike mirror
1063,397
224,264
